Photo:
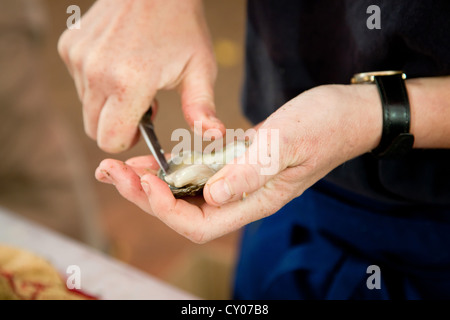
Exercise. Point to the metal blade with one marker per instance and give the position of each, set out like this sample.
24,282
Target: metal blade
148,132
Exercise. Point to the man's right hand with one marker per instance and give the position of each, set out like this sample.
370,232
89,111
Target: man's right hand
127,50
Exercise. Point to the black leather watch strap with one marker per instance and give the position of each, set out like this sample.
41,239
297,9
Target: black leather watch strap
396,139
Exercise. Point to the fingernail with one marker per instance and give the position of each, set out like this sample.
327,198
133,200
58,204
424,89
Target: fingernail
106,177
146,186
220,191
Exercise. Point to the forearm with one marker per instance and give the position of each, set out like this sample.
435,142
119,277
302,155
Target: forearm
430,111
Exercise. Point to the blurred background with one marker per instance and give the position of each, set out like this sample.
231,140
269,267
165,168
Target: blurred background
47,162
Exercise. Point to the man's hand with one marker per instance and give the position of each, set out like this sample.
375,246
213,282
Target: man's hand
318,130
126,51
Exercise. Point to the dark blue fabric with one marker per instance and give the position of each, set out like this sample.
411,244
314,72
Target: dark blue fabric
319,246
391,213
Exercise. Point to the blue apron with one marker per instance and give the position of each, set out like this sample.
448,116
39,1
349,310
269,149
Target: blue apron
324,244
320,246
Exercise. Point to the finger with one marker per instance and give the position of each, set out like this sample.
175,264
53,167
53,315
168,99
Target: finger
74,62
243,176
203,223
197,99
137,135
92,105
74,55
119,119
79,85
145,162
63,50
181,216
143,165
141,171
155,108
126,181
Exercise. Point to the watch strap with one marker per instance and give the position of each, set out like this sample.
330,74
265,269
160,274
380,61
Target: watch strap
396,139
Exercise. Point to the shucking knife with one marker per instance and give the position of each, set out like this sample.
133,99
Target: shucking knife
148,132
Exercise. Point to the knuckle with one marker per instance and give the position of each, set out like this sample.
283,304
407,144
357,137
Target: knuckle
198,238
95,70
62,49
107,147
63,45
197,235
93,73
75,58
248,179
90,129
104,144
98,75
119,78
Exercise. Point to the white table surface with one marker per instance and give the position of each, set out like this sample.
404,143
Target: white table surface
101,275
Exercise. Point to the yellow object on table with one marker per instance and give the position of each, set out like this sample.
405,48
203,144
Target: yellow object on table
26,276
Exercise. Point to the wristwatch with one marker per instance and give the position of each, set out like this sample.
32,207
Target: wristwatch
396,140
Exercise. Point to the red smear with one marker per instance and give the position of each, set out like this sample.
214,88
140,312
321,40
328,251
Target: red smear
37,288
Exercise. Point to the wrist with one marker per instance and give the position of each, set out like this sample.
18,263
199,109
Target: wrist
355,117
369,117
396,138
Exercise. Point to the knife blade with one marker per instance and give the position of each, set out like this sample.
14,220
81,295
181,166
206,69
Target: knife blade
148,132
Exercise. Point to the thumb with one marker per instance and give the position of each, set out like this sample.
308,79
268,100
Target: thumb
197,100
243,176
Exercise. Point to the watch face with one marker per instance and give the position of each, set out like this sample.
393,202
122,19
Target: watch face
369,77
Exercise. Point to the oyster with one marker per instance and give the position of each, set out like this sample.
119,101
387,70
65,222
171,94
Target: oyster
189,171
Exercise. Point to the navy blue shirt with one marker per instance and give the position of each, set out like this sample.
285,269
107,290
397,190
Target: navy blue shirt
294,45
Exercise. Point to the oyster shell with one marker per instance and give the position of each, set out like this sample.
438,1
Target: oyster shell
189,171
